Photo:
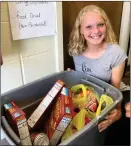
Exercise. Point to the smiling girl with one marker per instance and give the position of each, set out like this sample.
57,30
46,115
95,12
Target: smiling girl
95,52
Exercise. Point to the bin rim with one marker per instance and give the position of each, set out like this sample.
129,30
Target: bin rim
48,76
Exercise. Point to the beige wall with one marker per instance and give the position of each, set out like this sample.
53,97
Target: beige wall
30,59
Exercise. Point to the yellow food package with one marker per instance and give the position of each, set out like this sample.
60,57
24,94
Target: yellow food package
77,123
79,120
105,101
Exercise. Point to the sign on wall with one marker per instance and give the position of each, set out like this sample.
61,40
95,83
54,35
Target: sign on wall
32,19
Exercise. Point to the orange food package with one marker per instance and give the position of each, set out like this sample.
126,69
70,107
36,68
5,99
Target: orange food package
60,117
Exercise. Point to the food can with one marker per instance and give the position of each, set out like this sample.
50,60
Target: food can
39,139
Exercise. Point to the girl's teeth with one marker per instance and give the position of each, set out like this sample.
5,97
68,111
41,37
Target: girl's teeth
95,37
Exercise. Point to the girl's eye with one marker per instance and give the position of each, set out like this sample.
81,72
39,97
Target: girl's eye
89,26
100,24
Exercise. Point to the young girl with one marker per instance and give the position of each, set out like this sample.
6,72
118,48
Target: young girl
95,52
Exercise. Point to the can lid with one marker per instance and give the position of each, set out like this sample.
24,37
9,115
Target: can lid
41,139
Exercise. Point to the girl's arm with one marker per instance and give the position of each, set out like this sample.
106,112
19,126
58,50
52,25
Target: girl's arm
117,74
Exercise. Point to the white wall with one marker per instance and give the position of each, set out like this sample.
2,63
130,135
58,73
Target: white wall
30,59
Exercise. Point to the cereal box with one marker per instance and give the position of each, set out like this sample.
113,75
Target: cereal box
37,114
17,119
60,117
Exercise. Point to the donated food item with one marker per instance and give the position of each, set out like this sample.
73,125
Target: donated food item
79,120
77,123
39,139
36,115
91,105
105,101
87,105
17,118
60,117
85,97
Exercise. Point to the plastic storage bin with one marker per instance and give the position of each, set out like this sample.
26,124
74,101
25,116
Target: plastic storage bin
28,97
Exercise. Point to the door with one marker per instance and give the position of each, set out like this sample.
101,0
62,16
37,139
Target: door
70,12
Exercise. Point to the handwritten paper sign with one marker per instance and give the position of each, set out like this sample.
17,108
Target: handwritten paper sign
32,19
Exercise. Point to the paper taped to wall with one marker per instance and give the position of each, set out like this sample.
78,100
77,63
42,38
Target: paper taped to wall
32,19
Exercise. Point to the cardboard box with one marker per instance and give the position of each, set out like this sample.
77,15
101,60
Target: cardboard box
60,117
37,114
17,118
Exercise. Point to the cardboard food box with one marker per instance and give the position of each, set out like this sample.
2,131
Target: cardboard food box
60,117
37,114
17,118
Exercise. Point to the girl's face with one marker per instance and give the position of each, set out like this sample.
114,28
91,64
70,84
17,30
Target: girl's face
93,28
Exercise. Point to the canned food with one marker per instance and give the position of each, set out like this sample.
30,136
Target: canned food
39,139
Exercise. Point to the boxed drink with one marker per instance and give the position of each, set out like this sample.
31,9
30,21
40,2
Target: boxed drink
37,114
60,117
17,118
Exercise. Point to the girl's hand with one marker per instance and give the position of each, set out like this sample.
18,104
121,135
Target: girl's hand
127,108
111,118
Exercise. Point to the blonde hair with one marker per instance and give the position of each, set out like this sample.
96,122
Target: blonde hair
77,43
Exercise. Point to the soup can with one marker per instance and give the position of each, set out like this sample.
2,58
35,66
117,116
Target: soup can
39,139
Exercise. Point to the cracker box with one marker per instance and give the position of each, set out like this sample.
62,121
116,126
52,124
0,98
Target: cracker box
17,118
60,117
37,114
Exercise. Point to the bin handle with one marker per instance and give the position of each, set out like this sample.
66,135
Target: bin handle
10,131
93,83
